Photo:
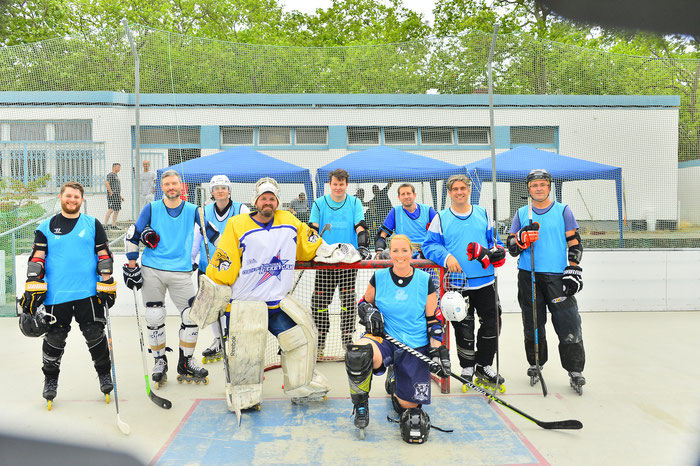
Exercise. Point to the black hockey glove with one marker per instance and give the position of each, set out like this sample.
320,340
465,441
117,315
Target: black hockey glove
441,361
107,292
34,295
365,254
498,256
149,238
477,252
132,277
371,318
573,280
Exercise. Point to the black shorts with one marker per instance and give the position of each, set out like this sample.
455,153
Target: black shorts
114,202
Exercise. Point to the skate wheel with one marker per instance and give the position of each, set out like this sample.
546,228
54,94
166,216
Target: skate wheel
362,434
501,389
196,381
189,380
205,360
465,388
107,398
49,403
257,407
205,381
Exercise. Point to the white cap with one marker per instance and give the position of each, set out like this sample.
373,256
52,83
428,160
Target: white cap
219,180
266,185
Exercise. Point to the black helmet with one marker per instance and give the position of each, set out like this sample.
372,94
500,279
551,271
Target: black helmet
37,324
538,174
415,425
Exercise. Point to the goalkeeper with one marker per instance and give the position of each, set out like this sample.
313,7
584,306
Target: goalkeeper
255,258
558,252
400,301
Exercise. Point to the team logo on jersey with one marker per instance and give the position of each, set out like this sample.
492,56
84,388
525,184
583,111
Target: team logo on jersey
421,391
560,299
220,260
271,269
400,295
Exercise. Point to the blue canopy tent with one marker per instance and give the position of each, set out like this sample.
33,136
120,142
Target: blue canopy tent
515,164
241,165
385,164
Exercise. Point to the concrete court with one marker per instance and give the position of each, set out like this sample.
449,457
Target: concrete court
640,406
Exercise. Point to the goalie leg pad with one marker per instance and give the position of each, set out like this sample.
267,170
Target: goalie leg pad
246,354
358,364
210,303
155,324
298,358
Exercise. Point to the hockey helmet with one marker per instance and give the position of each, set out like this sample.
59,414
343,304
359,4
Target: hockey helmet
415,425
37,324
219,180
265,185
454,306
538,174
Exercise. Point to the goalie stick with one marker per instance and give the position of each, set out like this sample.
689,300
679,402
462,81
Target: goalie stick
571,424
162,402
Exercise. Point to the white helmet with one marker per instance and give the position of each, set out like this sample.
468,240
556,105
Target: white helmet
266,185
219,180
453,306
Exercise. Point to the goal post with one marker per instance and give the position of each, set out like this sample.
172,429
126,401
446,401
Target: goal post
331,291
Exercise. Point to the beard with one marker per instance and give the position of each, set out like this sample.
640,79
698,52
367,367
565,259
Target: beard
70,209
267,212
172,196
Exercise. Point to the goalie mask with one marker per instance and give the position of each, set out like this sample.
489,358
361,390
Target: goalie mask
415,425
266,185
454,306
37,324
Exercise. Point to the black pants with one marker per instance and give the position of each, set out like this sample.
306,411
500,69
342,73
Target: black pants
325,283
565,318
482,302
90,316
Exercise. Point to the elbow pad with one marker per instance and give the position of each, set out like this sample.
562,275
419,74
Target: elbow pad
435,329
513,248
575,251
105,265
363,239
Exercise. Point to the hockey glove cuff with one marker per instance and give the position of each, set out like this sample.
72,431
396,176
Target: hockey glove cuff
441,365
34,295
107,292
132,277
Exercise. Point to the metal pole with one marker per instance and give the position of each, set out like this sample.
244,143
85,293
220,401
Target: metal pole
136,186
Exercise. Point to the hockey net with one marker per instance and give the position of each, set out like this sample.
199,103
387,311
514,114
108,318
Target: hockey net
331,291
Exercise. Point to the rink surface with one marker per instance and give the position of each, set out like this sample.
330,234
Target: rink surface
640,405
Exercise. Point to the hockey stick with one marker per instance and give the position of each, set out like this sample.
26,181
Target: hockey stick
162,402
123,426
571,424
224,339
534,302
326,227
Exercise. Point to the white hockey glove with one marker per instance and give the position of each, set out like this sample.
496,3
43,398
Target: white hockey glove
336,253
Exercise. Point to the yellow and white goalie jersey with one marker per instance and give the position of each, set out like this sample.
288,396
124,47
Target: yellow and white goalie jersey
258,262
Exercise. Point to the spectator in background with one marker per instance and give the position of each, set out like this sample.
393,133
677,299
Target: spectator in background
300,208
360,195
114,196
148,184
380,205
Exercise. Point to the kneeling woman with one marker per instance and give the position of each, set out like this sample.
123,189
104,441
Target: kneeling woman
400,301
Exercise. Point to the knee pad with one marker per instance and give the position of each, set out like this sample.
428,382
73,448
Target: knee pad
94,333
52,349
358,364
155,323
56,337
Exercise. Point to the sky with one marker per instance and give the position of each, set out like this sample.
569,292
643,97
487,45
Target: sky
309,6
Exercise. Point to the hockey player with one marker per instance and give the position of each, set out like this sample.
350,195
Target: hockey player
255,258
218,213
344,212
558,276
70,261
410,219
462,239
167,228
400,301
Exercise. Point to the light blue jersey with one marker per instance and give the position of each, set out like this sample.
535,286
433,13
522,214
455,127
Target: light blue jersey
403,308
71,262
342,216
174,250
415,229
551,249
210,216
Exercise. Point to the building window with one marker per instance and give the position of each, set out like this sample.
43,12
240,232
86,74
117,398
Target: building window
274,136
74,165
400,136
436,135
171,135
473,135
363,135
73,130
533,135
237,136
28,131
317,135
36,164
